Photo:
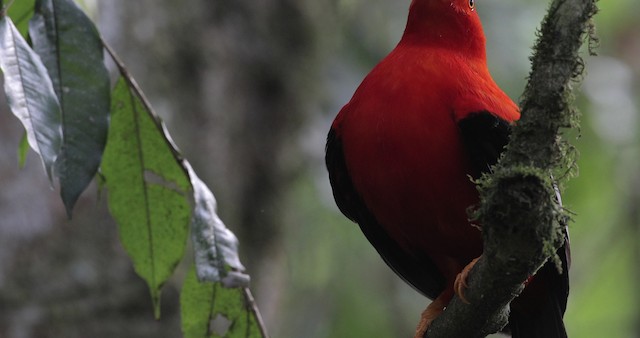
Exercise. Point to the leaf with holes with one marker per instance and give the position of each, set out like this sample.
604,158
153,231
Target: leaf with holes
30,94
149,191
212,310
70,47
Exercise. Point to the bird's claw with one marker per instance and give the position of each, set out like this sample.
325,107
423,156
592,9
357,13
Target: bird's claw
432,311
460,284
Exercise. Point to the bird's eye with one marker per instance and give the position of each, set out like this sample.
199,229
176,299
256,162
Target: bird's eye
472,4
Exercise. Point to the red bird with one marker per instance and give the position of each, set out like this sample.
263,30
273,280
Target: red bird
401,152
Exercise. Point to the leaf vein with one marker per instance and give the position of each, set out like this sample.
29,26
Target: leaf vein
136,123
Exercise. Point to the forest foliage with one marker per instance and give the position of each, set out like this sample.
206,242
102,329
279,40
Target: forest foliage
82,127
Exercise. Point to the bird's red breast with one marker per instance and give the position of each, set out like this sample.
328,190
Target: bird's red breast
404,152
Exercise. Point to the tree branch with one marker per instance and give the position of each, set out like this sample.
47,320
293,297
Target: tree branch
522,218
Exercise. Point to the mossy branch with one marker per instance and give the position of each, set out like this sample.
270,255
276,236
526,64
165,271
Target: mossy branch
521,216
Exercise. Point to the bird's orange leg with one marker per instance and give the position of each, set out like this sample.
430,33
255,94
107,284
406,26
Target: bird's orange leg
432,311
461,280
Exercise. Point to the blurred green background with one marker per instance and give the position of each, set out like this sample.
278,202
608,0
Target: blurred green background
248,90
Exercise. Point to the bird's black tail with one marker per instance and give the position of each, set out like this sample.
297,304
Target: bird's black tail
544,324
538,311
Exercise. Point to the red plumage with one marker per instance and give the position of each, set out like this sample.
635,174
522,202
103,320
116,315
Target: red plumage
400,153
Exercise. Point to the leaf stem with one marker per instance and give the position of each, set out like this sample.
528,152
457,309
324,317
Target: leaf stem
254,308
143,99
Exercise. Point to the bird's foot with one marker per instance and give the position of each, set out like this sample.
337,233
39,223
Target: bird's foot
432,311
461,280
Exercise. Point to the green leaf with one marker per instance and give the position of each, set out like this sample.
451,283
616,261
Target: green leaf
70,47
149,191
30,94
23,149
215,246
20,11
212,310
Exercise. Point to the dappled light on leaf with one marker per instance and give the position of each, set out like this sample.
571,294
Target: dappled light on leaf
30,94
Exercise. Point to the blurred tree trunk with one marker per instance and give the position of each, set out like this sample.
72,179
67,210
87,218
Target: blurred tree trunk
231,79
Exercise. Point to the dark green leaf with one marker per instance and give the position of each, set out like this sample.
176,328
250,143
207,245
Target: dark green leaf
212,310
71,49
30,94
149,191
20,12
216,248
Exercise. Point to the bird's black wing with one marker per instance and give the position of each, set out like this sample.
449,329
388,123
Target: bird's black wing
484,136
419,272
538,311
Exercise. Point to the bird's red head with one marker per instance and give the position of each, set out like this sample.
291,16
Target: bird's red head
451,24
